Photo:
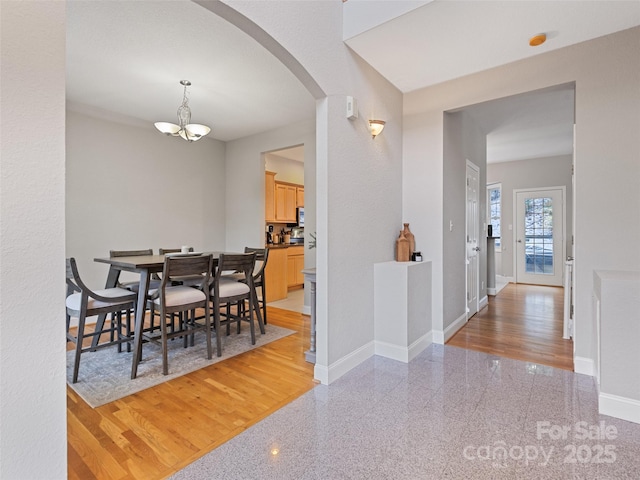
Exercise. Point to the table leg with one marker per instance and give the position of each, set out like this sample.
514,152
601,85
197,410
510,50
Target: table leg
139,322
112,281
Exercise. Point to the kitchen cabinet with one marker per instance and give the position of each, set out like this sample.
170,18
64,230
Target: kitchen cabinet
269,197
281,200
285,202
300,196
276,274
295,265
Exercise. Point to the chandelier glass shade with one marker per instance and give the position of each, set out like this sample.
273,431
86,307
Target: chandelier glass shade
185,129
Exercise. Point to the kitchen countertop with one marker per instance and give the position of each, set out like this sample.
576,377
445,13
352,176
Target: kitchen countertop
285,245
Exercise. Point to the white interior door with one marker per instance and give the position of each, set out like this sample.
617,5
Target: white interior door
539,237
472,234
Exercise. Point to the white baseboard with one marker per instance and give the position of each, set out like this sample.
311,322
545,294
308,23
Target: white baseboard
454,327
327,374
401,353
484,301
503,279
440,337
583,365
491,291
306,310
619,407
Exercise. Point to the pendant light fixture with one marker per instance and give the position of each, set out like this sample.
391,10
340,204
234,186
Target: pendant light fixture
187,130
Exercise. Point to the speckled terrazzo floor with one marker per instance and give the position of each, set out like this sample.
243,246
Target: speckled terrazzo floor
449,413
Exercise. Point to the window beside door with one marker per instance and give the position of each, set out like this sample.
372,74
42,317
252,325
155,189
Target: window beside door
494,193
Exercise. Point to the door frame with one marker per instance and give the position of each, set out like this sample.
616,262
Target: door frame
476,169
563,253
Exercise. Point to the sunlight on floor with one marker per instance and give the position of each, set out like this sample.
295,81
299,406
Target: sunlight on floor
293,302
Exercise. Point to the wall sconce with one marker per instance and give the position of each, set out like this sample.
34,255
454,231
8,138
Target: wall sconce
376,127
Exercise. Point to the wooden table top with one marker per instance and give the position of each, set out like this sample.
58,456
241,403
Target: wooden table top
141,262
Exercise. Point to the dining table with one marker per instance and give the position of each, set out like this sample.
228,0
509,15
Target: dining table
146,266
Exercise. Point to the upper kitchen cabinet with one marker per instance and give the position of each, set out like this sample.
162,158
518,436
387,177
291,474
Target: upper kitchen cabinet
300,196
284,184
286,202
281,200
269,197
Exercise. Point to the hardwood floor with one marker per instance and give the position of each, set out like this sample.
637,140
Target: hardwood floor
523,322
156,432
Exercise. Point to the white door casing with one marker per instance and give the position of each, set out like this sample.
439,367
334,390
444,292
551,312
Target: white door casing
540,235
472,238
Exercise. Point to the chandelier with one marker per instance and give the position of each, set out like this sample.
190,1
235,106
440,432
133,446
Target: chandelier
187,130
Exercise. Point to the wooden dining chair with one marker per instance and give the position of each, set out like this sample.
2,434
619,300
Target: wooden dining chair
229,291
82,302
173,299
262,255
133,285
188,280
259,282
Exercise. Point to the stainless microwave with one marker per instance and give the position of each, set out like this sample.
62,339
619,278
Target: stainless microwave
301,216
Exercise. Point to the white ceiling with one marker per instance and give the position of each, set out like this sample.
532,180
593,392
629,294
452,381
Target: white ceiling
444,39
447,39
126,58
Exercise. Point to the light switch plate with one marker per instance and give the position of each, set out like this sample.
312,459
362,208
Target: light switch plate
352,108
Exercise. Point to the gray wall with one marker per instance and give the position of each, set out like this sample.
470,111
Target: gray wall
606,72
245,167
533,173
358,180
129,187
33,438
463,140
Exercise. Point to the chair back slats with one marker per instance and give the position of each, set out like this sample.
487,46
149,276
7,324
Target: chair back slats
236,262
129,253
192,265
262,255
164,251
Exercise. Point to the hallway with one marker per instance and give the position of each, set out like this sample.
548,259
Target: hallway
523,322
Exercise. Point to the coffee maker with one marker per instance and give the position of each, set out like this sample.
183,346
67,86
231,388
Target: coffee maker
269,233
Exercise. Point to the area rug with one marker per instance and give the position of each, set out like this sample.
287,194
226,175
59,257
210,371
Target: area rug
105,375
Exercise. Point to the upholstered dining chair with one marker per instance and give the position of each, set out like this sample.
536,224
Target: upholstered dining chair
262,255
133,285
183,300
82,302
227,291
188,280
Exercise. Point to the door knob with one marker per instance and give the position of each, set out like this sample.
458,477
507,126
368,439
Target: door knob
477,249
519,241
